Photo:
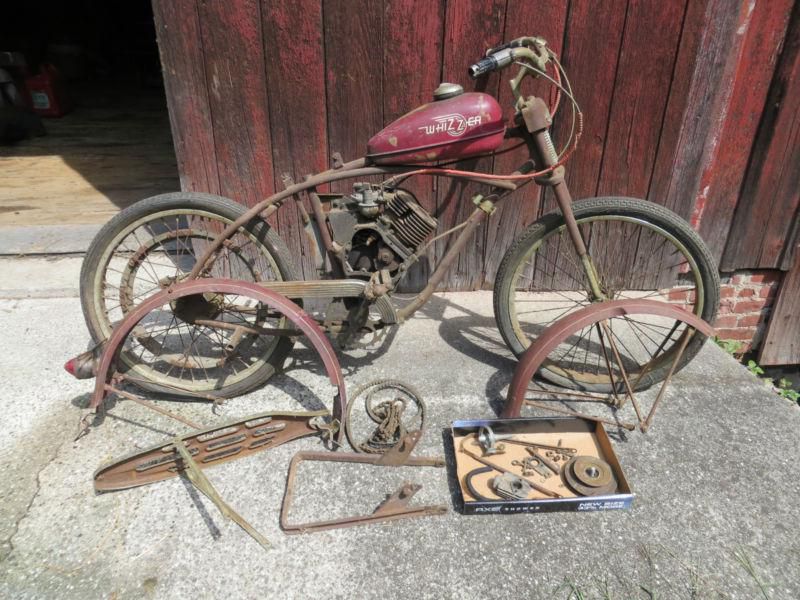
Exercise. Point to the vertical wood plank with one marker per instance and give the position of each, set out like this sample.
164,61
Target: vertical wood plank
412,67
471,26
234,61
521,208
644,74
782,343
353,57
178,32
590,56
718,190
295,69
771,194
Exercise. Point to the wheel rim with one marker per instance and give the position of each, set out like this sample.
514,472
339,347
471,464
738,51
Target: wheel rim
634,258
157,250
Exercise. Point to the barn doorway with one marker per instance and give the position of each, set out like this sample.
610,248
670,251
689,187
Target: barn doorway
88,131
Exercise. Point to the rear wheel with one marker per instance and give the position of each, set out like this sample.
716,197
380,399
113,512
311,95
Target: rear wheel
156,242
639,250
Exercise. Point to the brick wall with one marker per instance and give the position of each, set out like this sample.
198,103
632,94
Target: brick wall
746,299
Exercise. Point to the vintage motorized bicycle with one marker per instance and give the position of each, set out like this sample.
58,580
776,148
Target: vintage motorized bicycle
220,342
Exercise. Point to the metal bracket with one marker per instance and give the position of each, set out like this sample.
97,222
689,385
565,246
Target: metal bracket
396,506
201,482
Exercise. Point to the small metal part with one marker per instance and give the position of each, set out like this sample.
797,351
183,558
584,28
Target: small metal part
531,465
592,471
545,461
447,90
511,487
488,441
471,488
576,483
501,469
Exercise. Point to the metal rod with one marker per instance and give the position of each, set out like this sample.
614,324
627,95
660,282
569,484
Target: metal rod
650,362
608,364
569,393
246,328
542,446
564,411
140,382
618,358
202,483
151,406
649,420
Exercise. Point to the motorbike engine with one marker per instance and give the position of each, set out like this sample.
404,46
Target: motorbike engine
378,229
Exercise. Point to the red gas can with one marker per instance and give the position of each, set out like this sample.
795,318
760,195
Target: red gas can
458,127
47,94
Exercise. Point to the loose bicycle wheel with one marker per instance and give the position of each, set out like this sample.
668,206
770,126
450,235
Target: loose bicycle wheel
639,250
156,242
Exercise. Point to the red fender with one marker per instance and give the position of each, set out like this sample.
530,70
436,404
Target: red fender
532,359
105,368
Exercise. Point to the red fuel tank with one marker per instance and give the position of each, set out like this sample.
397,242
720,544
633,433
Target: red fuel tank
458,127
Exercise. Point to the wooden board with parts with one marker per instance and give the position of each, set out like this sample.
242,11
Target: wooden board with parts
537,465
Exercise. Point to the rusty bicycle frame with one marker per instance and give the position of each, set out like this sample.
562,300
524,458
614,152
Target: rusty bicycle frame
533,121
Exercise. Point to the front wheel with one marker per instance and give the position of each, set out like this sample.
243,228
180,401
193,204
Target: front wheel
639,250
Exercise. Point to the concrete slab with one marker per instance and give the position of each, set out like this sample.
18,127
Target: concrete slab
40,277
716,482
46,239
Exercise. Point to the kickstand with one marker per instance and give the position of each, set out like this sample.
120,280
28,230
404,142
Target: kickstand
201,482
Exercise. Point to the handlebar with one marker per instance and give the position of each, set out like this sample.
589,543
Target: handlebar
533,49
492,62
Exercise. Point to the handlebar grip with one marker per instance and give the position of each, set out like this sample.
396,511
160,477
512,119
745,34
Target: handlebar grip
483,66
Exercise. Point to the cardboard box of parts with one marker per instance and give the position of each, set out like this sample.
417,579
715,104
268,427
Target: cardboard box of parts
529,444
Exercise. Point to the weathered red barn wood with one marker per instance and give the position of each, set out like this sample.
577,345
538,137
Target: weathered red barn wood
353,64
295,83
643,76
414,36
178,30
471,26
768,206
754,64
234,60
590,56
522,207
782,343
302,80
700,91
709,31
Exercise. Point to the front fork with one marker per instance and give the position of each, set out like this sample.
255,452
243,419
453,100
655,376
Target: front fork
537,119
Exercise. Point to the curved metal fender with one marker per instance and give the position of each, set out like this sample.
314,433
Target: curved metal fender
540,349
293,312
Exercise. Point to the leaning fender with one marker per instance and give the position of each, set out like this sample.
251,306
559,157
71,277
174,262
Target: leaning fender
532,359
